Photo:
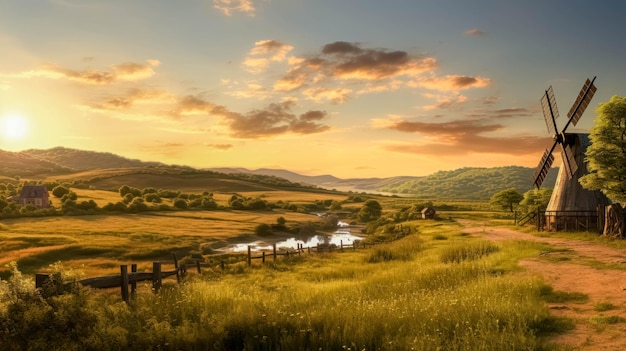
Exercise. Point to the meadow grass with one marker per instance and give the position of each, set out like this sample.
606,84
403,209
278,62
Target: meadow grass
97,242
419,292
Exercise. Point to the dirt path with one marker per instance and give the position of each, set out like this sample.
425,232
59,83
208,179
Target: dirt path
572,270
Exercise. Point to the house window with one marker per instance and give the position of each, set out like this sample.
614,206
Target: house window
37,202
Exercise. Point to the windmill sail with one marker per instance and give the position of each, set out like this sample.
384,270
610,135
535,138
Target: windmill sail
550,111
583,99
544,166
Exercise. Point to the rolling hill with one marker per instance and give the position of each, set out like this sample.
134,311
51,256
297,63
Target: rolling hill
109,171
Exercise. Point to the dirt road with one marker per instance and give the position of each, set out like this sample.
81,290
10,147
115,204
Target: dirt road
600,323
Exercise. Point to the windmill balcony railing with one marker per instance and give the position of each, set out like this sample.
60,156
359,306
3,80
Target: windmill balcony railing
573,221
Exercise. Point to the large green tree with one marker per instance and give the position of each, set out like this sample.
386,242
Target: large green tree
606,156
370,211
536,199
505,199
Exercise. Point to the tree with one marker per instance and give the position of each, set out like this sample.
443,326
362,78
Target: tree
606,156
536,199
263,230
180,203
505,199
59,191
370,211
606,162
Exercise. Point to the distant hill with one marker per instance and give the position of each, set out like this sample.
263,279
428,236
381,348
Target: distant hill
323,181
281,173
20,164
471,183
81,160
109,171
106,170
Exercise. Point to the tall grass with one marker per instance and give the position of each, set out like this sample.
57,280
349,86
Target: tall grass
413,301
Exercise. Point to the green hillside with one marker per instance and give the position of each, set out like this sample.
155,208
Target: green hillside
470,183
84,160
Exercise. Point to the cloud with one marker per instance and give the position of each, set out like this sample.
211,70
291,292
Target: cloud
220,146
264,52
228,7
249,90
475,32
444,101
128,71
275,119
335,96
450,83
350,61
132,97
462,137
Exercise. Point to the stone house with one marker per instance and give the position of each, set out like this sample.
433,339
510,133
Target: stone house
428,213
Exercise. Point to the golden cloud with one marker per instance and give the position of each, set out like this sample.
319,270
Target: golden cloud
128,71
451,83
227,7
463,137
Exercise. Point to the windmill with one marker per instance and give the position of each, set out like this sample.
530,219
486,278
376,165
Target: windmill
570,202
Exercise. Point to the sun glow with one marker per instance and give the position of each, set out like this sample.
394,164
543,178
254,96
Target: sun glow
14,127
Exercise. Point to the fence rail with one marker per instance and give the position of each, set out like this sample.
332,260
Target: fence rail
126,279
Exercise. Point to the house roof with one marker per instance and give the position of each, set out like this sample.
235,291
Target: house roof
428,209
33,191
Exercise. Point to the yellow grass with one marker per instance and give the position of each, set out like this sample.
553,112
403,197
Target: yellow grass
106,241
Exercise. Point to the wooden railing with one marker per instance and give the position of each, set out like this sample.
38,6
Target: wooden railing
126,279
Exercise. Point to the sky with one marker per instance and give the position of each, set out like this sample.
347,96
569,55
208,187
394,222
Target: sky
352,88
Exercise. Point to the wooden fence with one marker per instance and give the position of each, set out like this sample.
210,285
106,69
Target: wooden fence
126,279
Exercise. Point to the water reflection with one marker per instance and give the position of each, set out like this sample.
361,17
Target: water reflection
339,237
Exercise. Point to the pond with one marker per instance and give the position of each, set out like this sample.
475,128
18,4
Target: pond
343,235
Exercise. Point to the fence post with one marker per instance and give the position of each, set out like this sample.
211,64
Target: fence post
198,267
222,264
41,279
156,276
249,256
263,258
354,245
274,251
124,282
341,244
176,267
133,284
309,249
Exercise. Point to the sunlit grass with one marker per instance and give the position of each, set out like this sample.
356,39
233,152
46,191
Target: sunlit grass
396,296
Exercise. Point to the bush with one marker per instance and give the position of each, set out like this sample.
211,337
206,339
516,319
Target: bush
60,191
180,203
263,230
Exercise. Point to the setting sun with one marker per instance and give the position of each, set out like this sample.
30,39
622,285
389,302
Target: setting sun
14,127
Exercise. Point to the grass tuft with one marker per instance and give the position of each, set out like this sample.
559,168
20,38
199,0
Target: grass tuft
458,253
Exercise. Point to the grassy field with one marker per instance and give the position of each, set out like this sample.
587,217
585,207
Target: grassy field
434,290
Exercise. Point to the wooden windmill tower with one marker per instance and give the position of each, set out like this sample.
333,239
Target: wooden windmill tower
571,207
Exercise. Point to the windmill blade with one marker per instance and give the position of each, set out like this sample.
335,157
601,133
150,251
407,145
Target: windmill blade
550,112
569,161
544,166
583,99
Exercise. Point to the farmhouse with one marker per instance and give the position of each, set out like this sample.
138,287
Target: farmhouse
428,213
36,195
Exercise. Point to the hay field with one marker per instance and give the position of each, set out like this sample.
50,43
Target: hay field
100,243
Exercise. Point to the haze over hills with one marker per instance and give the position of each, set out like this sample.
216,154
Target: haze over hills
65,163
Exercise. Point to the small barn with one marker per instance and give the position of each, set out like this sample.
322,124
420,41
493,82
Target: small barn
36,195
428,213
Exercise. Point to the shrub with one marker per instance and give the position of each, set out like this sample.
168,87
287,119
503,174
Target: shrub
180,203
263,230
60,191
